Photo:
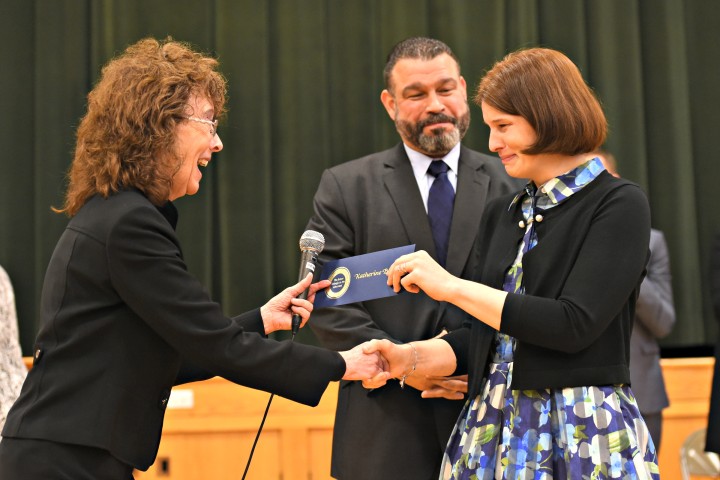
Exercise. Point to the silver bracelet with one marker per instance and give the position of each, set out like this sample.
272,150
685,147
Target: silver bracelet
412,370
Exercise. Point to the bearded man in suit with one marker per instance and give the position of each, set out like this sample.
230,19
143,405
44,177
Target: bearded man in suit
381,201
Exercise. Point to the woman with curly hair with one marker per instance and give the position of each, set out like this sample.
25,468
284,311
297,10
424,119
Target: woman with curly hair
122,319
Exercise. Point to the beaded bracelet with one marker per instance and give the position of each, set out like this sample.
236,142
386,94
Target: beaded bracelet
402,379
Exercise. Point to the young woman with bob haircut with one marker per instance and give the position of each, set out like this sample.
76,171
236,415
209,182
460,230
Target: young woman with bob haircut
550,310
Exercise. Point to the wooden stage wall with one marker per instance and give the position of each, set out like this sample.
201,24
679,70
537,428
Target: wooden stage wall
210,427
209,433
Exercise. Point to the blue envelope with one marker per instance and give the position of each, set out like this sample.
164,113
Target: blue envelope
358,278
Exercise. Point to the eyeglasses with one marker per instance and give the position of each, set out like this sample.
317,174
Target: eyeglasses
213,123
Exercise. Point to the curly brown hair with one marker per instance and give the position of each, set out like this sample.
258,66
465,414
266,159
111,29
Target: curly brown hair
126,139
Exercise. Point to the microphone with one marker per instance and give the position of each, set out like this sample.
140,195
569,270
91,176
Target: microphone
311,244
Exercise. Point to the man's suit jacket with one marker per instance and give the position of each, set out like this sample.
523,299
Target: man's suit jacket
712,443
370,204
654,319
120,314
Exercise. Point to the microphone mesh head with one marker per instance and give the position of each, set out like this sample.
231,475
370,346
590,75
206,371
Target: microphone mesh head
312,240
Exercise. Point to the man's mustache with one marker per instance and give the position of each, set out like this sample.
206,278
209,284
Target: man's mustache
436,118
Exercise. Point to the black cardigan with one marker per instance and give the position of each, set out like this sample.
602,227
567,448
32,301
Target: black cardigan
574,321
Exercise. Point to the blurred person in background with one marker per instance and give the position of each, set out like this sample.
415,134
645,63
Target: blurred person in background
12,368
712,438
654,319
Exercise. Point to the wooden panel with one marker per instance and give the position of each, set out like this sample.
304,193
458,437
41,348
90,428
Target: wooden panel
210,427
217,456
320,453
688,382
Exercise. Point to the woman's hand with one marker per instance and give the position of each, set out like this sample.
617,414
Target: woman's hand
450,388
361,365
418,271
398,360
278,311
433,357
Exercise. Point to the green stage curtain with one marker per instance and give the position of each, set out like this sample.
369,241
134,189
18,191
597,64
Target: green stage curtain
305,78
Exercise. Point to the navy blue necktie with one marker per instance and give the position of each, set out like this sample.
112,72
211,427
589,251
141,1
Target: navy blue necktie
440,208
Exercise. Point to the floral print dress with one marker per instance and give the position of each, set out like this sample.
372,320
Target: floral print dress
589,432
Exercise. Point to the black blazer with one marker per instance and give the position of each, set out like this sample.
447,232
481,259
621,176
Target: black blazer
573,323
120,314
370,204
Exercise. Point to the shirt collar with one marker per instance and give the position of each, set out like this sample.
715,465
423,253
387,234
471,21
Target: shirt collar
420,162
563,186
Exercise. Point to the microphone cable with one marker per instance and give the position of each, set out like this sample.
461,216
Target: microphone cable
311,244
262,423
257,437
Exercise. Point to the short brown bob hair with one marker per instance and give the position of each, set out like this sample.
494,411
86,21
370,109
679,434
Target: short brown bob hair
127,137
545,88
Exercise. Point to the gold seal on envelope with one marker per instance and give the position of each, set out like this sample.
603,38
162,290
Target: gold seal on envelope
339,283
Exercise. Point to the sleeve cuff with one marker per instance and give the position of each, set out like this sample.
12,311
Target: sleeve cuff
251,322
459,341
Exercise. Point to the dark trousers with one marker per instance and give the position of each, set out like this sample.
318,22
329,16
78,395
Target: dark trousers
26,459
654,424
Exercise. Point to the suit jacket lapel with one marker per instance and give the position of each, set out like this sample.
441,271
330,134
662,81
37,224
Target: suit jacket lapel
472,191
402,188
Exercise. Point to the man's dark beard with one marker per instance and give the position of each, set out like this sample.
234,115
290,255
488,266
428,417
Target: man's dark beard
440,141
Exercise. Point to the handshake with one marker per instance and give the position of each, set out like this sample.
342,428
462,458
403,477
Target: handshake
377,361
424,365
